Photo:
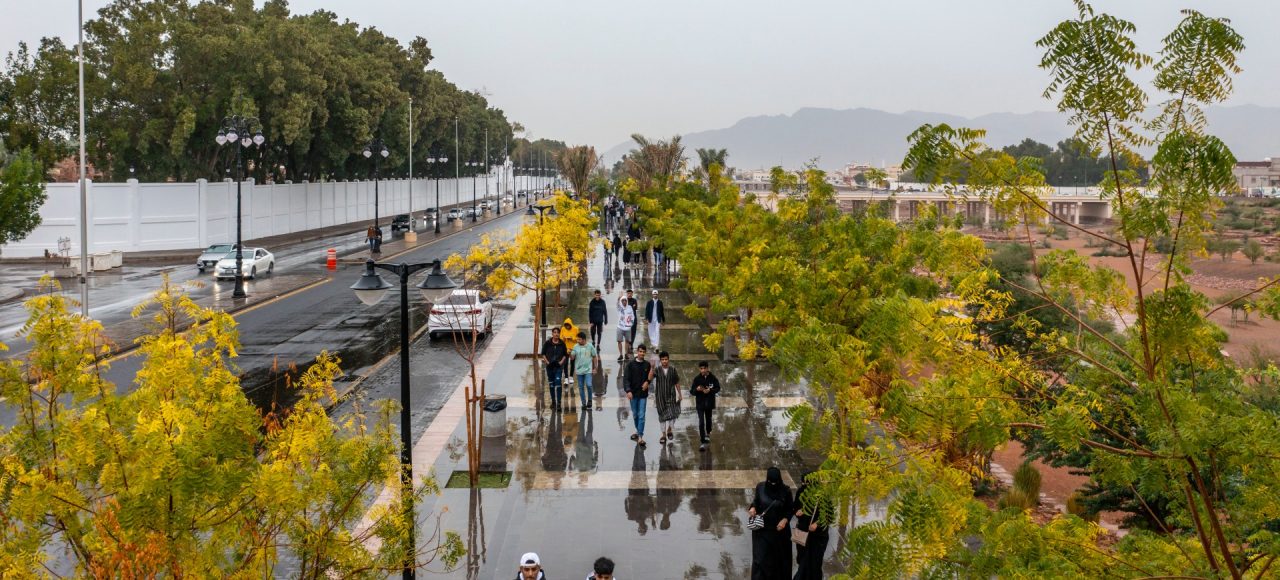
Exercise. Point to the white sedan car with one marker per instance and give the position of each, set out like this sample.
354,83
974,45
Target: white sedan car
462,311
255,260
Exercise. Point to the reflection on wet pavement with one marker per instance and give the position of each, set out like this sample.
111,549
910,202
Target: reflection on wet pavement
682,509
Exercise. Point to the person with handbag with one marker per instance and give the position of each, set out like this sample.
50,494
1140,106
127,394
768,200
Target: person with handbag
769,519
814,513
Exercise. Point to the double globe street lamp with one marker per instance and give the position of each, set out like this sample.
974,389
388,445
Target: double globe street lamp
550,211
433,161
370,289
235,132
377,150
473,166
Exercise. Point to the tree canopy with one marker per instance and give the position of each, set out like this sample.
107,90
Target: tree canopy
180,475
21,195
924,350
161,76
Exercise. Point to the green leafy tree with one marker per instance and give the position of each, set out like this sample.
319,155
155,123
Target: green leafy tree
160,77
1254,250
181,475
21,195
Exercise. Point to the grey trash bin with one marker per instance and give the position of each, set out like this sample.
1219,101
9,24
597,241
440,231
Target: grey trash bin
495,416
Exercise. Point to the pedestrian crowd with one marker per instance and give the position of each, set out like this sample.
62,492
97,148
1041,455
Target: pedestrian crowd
571,356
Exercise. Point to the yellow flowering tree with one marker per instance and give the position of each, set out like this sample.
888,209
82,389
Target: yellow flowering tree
182,476
544,254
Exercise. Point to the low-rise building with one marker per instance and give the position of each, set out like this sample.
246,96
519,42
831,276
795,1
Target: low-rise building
1258,177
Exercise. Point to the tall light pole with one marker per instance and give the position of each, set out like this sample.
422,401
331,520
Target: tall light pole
235,132
487,165
550,210
457,160
84,191
370,289
433,161
473,166
377,150
411,163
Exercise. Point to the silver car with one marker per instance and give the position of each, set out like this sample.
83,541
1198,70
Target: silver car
211,255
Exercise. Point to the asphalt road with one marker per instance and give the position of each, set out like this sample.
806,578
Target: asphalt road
293,329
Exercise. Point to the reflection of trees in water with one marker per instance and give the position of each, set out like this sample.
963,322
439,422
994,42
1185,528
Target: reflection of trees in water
639,503
728,570
695,572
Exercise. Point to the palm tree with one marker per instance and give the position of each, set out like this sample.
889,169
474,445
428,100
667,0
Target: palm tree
654,163
709,157
876,177
576,164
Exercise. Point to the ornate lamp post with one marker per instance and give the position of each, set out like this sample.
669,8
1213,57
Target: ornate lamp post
433,161
235,132
473,166
370,289
377,150
550,211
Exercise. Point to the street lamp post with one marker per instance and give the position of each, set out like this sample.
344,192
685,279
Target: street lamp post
474,166
378,151
235,132
550,210
433,161
370,289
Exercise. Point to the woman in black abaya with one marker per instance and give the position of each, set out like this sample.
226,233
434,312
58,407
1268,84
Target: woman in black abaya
771,545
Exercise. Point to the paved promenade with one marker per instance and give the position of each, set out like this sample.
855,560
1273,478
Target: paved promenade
581,488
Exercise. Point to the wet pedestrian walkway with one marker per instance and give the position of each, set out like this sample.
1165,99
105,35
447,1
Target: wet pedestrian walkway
580,488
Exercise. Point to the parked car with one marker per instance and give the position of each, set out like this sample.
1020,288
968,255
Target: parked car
210,256
486,205
462,311
454,214
255,260
471,212
402,222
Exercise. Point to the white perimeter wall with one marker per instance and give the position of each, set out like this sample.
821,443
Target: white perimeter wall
134,217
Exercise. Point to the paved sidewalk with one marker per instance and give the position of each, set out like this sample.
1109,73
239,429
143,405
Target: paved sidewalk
582,489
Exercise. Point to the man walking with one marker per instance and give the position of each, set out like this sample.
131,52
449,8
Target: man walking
654,315
554,355
597,317
602,570
704,389
626,327
635,381
530,568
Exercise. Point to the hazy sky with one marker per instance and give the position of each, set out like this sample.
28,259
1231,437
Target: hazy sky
596,71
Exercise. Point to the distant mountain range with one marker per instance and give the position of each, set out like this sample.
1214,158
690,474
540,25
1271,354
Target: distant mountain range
837,137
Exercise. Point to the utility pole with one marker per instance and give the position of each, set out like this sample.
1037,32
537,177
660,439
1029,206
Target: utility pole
84,192
457,170
411,164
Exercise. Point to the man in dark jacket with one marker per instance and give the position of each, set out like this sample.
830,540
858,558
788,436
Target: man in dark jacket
597,316
554,355
635,382
704,389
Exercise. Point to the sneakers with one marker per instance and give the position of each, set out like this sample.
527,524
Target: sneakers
703,447
635,436
662,441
